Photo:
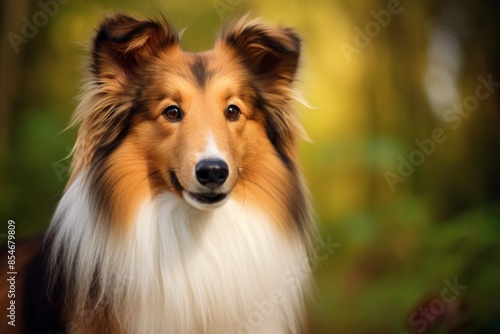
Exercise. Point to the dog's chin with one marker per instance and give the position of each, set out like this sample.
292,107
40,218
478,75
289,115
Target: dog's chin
205,201
199,200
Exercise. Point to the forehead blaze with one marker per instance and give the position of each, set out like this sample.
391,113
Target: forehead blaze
199,71
179,77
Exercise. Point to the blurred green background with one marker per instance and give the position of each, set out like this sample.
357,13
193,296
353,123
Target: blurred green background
404,162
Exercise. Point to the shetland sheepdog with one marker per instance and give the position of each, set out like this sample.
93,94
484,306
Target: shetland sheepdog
186,211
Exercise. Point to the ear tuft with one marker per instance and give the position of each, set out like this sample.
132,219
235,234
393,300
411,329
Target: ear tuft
123,43
270,53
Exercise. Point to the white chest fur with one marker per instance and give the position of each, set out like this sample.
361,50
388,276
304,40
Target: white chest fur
182,270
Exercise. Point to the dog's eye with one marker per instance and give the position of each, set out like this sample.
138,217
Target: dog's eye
233,112
172,113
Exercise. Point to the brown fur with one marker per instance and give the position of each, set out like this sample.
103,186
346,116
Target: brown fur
129,148
140,69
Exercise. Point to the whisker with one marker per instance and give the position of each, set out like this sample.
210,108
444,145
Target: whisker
248,174
241,177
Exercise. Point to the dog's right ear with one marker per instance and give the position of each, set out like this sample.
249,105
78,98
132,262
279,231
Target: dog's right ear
123,43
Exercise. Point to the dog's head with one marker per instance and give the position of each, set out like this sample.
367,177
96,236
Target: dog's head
159,118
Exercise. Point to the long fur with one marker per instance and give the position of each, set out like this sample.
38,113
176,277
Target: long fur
130,251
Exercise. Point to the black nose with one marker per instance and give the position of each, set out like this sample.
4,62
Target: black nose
211,173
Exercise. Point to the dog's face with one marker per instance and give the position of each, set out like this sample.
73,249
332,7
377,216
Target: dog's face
202,125
193,123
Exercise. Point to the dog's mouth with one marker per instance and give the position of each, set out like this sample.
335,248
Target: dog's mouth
208,198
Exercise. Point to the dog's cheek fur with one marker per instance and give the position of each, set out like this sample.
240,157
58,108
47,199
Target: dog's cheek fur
142,163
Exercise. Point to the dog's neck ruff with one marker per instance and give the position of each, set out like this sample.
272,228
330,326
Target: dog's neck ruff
181,270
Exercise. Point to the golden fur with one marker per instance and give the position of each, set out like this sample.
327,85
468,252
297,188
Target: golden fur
128,153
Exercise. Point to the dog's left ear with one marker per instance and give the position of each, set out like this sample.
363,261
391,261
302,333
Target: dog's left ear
270,53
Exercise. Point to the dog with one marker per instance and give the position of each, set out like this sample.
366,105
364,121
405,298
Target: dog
186,210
